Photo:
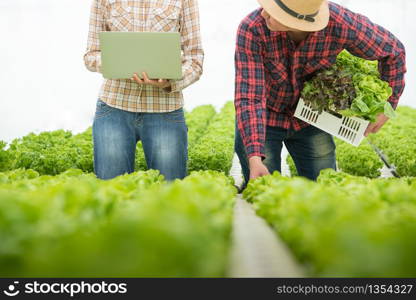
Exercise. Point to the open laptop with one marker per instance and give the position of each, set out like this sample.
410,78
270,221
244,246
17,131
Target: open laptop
156,53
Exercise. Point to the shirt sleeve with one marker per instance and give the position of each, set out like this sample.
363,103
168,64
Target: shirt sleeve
373,42
193,54
250,100
92,57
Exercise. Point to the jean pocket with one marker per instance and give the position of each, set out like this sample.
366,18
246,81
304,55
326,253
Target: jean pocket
176,116
102,109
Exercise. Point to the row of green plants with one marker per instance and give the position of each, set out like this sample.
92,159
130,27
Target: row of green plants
342,225
137,225
51,153
358,161
215,148
197,122
397,139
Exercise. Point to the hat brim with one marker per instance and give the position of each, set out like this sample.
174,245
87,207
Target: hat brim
321,20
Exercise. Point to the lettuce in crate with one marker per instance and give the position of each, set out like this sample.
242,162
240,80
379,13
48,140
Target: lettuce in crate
351,87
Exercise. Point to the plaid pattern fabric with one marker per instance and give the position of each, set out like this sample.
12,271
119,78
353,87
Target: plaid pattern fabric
271,69
140,16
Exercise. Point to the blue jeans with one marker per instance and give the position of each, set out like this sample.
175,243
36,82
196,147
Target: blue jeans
311,149
116,132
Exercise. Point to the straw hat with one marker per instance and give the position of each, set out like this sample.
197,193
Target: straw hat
304,15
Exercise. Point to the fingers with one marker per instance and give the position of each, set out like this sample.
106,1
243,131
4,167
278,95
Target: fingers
258,174
375,127
137,79
146,78
148,81
370,129
157,82
258,170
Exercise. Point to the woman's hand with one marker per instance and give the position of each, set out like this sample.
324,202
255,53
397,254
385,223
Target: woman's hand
160,83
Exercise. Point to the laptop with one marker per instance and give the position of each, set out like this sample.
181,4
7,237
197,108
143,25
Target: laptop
156,53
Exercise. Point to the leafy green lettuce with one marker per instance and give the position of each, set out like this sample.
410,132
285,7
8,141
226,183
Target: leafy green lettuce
351,87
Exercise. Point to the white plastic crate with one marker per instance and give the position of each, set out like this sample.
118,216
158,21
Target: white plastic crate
348,129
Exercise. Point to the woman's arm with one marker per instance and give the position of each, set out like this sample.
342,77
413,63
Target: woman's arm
92,57
193,54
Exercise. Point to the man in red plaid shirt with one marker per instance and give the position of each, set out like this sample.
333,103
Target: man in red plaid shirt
279,47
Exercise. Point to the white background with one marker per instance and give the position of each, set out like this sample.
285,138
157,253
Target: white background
45,86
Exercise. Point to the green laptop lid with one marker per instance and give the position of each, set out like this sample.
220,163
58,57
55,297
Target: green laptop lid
156,53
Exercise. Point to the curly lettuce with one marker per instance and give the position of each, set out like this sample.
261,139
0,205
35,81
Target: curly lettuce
351,87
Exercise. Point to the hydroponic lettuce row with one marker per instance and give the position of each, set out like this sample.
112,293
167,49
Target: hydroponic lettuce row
342,226
358,161
397,139
4,157
74,225
351,87
215,149
197,122
51,153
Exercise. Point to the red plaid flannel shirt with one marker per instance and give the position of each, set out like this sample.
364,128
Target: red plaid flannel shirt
271,69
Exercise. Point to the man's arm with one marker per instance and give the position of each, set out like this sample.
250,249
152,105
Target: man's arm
193,54
92,57
250,98
373,42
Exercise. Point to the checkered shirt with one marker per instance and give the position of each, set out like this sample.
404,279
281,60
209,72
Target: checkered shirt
152,16
271,69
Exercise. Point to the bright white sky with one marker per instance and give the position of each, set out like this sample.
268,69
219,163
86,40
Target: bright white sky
45,86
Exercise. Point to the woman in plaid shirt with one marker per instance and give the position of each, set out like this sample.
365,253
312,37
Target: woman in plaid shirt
279,47
143,109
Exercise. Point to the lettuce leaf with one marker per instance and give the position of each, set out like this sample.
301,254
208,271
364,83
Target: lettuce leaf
351,87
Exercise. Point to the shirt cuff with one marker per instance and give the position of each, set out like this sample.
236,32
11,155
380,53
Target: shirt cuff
394,103
255,150
175,86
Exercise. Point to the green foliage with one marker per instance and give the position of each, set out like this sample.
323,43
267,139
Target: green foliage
5,157
51,153
292,167
342,226
215,149
197,122
136,225
359,161
397,139
351,87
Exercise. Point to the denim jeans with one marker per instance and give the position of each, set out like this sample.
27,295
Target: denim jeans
116,132
311,149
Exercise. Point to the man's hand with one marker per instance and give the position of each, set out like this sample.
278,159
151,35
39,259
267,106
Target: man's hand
161,83
375,127
257,168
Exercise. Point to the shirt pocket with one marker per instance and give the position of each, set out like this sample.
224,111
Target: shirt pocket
165,19
316,65
277,71
121,18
